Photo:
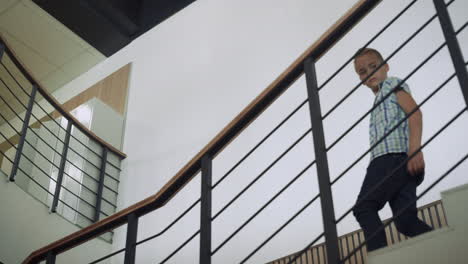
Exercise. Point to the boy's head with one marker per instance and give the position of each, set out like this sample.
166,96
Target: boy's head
365,62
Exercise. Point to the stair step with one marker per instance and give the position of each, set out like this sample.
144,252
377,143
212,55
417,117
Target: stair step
446,245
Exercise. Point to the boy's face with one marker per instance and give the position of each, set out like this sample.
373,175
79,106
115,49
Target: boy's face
365,64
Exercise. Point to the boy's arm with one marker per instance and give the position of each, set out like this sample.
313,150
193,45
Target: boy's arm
407,103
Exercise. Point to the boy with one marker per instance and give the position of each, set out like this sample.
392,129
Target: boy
400,189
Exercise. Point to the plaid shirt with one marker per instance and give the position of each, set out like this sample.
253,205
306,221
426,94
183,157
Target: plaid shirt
384,117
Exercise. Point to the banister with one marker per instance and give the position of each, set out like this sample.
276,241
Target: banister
57,106
223,138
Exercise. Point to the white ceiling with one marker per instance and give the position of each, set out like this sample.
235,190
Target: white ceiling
53,53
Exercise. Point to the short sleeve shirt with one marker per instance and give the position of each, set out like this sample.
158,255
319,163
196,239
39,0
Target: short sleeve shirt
385,117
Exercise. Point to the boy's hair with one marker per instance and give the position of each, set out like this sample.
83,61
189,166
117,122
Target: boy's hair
364,51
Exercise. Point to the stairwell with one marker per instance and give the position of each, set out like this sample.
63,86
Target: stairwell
427,248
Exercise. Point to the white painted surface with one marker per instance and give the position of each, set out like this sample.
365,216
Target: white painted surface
26,225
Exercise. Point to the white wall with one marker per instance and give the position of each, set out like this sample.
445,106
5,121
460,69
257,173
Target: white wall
37,228
193,73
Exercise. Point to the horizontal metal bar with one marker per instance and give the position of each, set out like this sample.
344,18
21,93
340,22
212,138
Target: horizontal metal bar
24,155
46,174
180,247
5,156
89,176
76,211
47,191
52,133
81,199
115,167
261,142
108,256
171,224
53,119
261,174
95,166
53,164
262,208
305,249
53,102
281,228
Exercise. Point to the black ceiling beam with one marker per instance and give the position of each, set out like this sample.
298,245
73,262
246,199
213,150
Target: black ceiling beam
110,25
153,12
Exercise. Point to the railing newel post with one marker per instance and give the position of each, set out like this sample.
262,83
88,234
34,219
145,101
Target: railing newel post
205,210
51,257
24,131
102,173
130,245
328,212
2,50
453,47
63,160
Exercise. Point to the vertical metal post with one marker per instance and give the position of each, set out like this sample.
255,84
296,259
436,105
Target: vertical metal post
130,246
205,212
2,50
453,46
102,174
50,259
24,130
63,160
328,212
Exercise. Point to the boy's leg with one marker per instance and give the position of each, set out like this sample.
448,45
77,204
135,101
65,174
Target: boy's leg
367,207
367,215
408,222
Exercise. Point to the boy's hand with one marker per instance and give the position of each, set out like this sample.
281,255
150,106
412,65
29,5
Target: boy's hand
416,164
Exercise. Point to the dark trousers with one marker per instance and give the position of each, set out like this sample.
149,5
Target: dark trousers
399,190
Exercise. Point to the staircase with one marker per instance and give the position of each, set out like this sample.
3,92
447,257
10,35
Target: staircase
336,250
446,245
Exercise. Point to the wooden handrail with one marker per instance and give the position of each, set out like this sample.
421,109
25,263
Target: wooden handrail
234,128
30,77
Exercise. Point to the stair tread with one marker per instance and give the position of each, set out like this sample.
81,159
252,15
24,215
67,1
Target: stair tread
413,240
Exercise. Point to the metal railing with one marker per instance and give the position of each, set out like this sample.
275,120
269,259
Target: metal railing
333,249
49,154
